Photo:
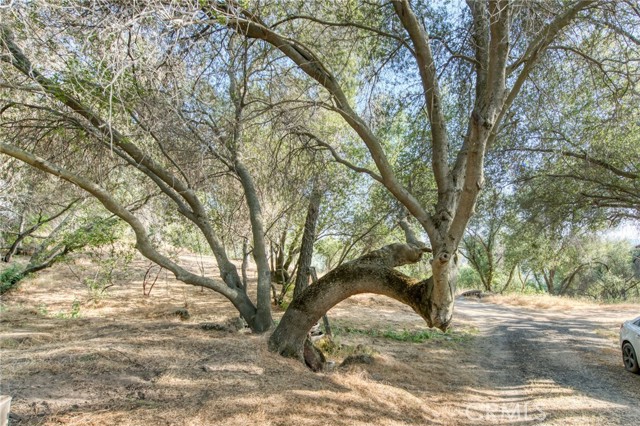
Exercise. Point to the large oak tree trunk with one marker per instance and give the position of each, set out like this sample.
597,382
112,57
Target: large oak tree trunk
371,273
444,268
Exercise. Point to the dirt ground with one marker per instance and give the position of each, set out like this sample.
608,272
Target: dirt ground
70,358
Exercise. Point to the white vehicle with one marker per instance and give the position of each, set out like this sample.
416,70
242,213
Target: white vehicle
630,344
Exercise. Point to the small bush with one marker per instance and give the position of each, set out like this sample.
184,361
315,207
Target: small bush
468,278
333,347
9,278
73,313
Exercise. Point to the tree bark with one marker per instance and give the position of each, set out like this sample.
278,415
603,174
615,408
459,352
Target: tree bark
308,238
263,320
325,318
371,273
245,261
16,244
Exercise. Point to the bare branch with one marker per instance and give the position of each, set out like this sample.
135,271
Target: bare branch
582,156
337,156
428,75
344,24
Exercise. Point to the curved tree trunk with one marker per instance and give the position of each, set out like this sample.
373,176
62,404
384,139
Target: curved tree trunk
371,273
444,277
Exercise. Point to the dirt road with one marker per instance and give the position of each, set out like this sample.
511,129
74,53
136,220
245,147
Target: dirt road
550,367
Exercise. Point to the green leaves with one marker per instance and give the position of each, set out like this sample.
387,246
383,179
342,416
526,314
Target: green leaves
9,278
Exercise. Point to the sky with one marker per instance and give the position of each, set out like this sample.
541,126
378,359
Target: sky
625,231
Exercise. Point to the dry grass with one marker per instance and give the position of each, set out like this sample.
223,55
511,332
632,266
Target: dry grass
127,360
549,302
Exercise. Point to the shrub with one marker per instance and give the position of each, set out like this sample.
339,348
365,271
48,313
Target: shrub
9,278
468,278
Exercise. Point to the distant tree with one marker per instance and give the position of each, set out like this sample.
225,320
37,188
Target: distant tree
484,245
613,278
